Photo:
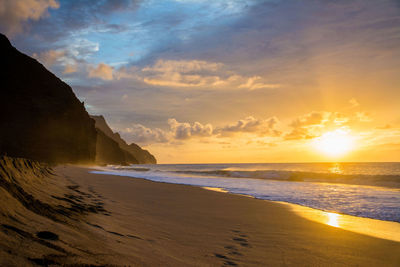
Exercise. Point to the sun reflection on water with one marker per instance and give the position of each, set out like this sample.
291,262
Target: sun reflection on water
336,169
333,219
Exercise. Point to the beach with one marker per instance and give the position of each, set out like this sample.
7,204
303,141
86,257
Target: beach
96,220
158,224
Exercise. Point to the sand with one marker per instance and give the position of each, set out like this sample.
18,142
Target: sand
143,223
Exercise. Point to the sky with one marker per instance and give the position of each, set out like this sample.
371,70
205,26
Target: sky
199,81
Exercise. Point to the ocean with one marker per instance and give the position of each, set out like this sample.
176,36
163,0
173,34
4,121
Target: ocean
370,190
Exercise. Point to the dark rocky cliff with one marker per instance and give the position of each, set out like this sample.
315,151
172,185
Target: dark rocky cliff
142,156
109,152
40,116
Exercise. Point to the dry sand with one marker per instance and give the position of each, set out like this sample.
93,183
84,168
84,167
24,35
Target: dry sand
155,224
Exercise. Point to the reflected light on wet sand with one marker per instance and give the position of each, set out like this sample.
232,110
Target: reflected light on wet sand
376,228
366,226
215,189
333,219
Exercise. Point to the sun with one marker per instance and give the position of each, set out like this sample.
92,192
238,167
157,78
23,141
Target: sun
335,143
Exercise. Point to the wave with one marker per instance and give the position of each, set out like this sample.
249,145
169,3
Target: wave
380,180
124,168
391,181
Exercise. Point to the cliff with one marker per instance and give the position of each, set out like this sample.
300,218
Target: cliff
109,152
142,156
40,116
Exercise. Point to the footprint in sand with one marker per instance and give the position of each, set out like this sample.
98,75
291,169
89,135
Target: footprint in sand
134,236
47,235
220,256
227,260
241,240
232,250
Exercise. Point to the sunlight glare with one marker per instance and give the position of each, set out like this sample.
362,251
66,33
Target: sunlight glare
334,143
333,219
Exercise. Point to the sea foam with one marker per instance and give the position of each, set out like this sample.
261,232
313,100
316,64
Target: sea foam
313,186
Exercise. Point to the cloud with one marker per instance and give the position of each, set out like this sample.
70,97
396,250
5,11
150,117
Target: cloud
102,71
353,103
363,116
48,58
70,68
83,15
82,48
182,73
339,118
184,66
252,84
13,13
184,130
312,125
308,125
313,118
143,135
130,73
250,125
180,131
200,74
69,58
178,80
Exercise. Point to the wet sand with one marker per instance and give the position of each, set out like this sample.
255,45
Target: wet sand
134,222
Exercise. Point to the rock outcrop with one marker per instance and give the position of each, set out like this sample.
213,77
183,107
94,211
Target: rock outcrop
142,156
109,152
40,116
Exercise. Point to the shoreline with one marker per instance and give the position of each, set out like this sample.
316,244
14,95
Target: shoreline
369,180
389,230
200,226
346,197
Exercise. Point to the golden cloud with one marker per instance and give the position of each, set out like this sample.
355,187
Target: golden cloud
13,13
200,74
70,68
50,57
250,125
102,71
